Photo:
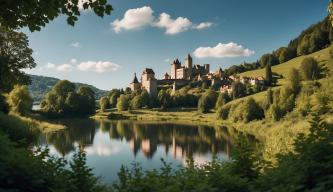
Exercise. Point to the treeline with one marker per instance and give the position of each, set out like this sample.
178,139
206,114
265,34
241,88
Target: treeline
314,38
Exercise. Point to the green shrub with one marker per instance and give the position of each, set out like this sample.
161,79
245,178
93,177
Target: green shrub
19,100
223,112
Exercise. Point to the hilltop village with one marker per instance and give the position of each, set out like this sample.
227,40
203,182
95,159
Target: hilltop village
181,75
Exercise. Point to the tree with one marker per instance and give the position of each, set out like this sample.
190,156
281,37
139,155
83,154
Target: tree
310,69
87,100
62,100
268,74
136,102
123,102
269,97
36,14
284,54
268,59
113,96
144,98
19,100
212,97
294,79
203,104
164,98
238,90
104,103
222,100
303,47
15,55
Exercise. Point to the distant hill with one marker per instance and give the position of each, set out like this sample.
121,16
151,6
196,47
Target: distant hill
40,85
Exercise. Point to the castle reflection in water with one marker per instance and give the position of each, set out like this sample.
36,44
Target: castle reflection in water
179,140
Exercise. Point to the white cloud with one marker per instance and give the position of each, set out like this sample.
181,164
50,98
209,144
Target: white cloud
73,60
173,26
141,17
50,65
134,19
98,66
223,50
203,25
65,67
76,45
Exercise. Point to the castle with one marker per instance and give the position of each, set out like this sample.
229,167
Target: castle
179,73
188,71
182,75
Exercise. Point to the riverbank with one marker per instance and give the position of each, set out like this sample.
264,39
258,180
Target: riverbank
36,121
274,137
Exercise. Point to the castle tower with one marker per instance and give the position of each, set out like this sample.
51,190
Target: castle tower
188,66
174,66
135,85
148,81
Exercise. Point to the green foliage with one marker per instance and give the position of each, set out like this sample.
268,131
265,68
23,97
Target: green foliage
62,100
223,112
81,175
123,102
19,100
309,168
164,98
113,96
104,103
15,55
268,59
238,90
36,14
222,99
136,102
310,69
285,54
268,75
269,98
203,104
246,111
294,79
40,85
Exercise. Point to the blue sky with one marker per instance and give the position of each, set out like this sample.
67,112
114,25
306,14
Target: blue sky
150,33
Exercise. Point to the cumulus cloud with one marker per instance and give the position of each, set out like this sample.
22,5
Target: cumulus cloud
134,19
141,17
98,66
76,45
173,26
223,50
203,25
65,68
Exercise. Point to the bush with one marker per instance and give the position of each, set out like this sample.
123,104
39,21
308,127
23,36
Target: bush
19,100
310,69
203,104
223,112
246,111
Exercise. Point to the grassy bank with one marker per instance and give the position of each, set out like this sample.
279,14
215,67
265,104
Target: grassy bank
40,123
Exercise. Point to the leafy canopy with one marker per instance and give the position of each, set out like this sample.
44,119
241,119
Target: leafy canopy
36,14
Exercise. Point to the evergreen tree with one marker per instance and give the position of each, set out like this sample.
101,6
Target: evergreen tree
268,74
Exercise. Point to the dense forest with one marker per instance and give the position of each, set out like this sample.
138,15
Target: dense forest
312,39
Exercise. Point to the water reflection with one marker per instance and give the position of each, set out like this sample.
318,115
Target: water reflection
109,144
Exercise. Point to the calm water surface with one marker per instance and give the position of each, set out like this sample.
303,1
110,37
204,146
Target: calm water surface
110,144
